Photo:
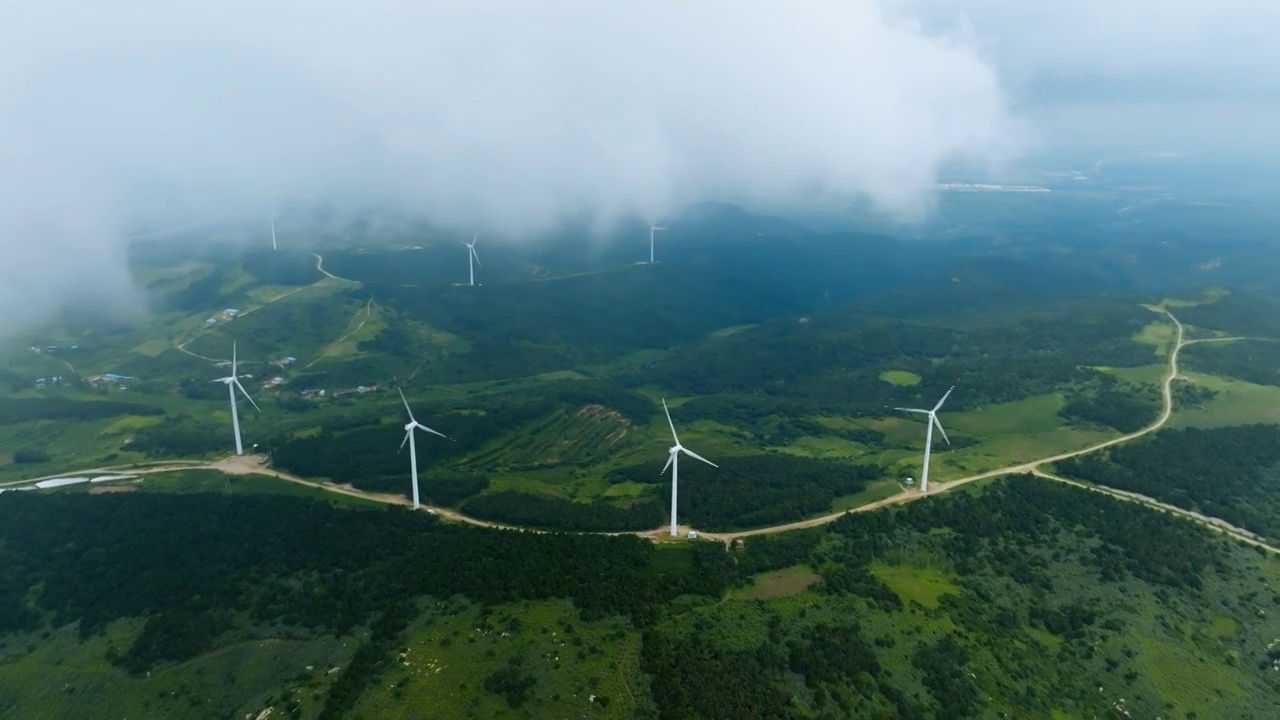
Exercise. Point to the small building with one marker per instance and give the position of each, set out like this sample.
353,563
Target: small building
693,534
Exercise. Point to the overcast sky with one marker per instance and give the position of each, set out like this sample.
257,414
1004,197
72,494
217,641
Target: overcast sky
505,114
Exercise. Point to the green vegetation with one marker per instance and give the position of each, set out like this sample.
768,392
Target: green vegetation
197,594
1213,402
900,377
1228,473
1022,597
1252,361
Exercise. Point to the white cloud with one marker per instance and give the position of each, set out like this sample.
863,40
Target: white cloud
1185,43
501,114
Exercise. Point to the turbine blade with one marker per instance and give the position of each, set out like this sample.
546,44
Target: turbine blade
406,404
670,458
474,255
420,426
939,426
673,425
246,394
696,456
404,441
944,398
913,410
233,358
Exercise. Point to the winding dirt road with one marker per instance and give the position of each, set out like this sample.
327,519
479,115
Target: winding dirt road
256,465
1034,467
182,347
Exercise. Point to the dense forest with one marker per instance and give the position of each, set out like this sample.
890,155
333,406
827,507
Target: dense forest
1251,361
1048,594
1237,313
542,511
19,410
205,569
833,363
1228,472
755,490
1045,593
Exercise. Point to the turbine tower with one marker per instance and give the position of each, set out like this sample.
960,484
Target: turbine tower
928,436
232,382
472,258
409,427
273,233
652,228
673,462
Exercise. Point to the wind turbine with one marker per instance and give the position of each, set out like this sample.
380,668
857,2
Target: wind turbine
409,427
928,436
472,258
232,382
652,228
273,233
673,462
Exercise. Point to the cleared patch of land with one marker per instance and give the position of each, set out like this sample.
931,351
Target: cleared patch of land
779,583
569,668
900,377
1159,334
1236,403
923,585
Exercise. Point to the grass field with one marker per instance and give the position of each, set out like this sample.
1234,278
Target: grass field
576,668
900,377
778,583
1009,433
923,585
1142,375
877,490
1161,334
59,676
1237,403
588,434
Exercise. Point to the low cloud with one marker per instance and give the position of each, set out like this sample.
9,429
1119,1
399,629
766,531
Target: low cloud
494,114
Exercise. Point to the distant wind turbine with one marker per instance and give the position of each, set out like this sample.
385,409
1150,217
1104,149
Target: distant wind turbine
673,462
472,258
652,228
928,436
409,427
273,233
232,382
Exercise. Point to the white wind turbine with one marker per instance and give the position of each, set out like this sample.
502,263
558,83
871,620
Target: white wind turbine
472,258
928,436
652,228
273,233
409,427
673,462
232,382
